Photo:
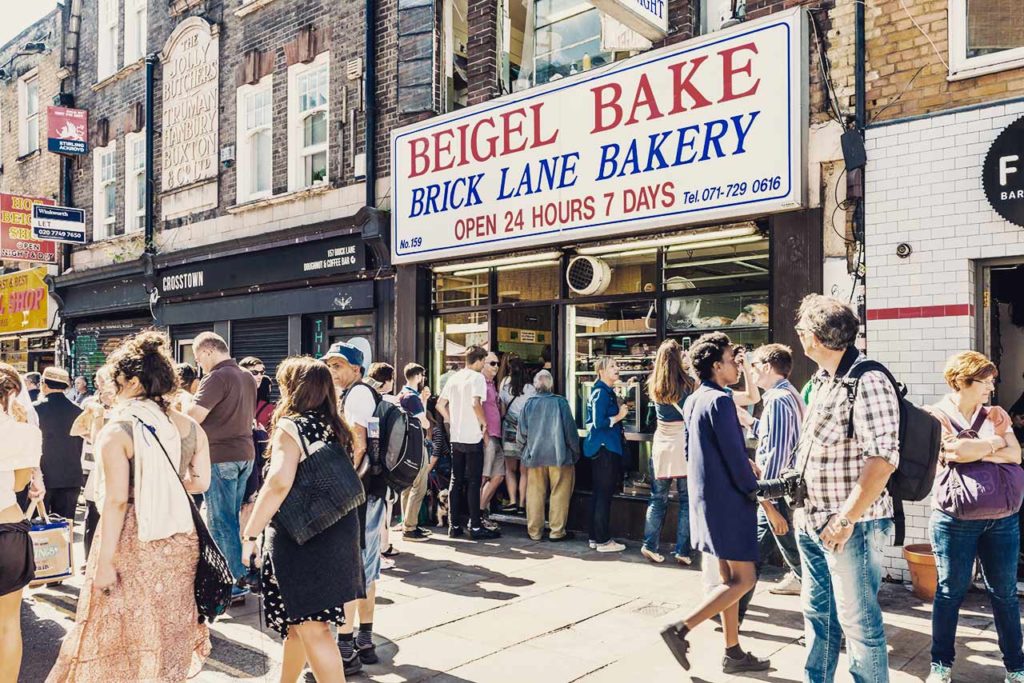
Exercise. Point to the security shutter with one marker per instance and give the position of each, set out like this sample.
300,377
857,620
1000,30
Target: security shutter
265,338
95,341
186,332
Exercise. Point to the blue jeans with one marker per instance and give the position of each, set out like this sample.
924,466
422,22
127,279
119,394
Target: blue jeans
996,542
656,509
766,538
840,595
223,502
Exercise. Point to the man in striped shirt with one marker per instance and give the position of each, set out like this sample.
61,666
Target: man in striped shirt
777,433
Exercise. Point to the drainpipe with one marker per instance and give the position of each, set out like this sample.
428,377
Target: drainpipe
370,93
150,248
860,121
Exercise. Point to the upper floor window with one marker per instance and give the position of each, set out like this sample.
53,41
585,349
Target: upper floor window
104,183
308,97
984,36
28,110
135,30
255,140
106,39
718,14
456,35
135,181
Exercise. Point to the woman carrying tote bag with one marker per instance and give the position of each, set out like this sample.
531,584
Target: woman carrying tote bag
668,386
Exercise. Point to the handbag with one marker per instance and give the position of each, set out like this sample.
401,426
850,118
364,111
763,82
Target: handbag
213,582
52,547
325,489
979,490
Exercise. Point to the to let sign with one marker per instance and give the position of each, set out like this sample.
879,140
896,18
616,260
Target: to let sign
24,302
67,130
707,130
58,223
16,241
649,18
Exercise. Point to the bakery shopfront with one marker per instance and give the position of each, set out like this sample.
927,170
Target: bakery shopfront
598,215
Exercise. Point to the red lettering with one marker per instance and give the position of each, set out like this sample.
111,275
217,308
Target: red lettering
421,154
538,136
439,148
508,128
729,72
475,140
644,98
683,84
600,104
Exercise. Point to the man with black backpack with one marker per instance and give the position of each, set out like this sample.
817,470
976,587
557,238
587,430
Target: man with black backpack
849,448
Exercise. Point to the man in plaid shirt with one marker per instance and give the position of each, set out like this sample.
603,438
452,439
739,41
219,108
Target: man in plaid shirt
848,514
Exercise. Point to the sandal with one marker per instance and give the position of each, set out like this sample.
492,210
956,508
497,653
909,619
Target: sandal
390,552
678,644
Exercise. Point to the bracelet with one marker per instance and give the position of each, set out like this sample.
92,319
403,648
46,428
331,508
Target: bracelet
252,538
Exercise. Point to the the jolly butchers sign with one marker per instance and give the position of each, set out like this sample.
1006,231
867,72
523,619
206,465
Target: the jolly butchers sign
711,129
191,66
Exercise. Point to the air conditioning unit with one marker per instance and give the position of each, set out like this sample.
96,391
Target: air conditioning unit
588,276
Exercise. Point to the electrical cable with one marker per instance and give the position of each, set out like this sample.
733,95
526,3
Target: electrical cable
826,72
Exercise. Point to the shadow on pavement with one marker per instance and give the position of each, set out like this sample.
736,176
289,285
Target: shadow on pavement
450,576
42,638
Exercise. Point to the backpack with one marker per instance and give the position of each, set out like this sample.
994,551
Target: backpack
920,438
396,454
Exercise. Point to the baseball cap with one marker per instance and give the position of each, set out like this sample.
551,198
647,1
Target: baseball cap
351,354
58,375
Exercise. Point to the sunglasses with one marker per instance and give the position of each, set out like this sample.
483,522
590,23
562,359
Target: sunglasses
257,373
493,363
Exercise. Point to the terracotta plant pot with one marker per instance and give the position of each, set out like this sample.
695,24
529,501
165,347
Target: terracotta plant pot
923,574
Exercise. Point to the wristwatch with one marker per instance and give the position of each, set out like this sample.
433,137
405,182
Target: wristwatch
844,523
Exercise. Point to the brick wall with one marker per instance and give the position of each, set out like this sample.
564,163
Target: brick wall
37,174
924,188
482,51
902,60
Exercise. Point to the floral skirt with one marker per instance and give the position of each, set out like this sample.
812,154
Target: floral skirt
146,629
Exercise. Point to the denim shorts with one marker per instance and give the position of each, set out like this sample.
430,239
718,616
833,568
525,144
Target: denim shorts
375,513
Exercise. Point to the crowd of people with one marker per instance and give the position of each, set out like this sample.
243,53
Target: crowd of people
156,442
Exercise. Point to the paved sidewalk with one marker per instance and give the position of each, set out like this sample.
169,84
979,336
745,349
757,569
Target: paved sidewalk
516,610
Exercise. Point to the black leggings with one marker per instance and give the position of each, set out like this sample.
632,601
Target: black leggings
606,473
467,476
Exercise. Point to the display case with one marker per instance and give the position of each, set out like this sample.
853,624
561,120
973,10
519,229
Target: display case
742,316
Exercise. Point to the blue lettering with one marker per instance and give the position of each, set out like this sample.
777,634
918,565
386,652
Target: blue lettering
630,160
609,154
684,143
655,151
712,138
741,132
417,202
568,169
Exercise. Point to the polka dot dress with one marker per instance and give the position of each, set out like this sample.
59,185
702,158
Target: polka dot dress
312,430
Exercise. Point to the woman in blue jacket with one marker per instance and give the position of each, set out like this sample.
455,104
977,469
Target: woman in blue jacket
604,447
723,501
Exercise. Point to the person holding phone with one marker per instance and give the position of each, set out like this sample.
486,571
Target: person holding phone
604,447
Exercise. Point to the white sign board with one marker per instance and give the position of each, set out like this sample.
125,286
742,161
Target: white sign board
708,130
649,18
58,224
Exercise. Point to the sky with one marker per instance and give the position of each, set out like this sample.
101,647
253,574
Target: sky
19,14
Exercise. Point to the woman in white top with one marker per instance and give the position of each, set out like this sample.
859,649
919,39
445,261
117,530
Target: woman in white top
137,618
21,445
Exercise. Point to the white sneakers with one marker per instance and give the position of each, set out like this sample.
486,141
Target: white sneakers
790,585
940,674
609,547
656,558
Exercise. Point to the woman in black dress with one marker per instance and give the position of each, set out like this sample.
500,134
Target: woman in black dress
305,587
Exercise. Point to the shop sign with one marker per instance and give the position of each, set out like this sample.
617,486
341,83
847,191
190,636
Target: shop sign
24,301
649,18
67,130
58,223
1003,173
16,241
301,262
708,130
191,68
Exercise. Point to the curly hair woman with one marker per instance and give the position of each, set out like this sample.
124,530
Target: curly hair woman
137,617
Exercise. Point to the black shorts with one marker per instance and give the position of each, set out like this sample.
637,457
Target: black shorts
17,561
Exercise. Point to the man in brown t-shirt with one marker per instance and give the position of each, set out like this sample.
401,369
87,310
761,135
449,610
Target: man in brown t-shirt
224,406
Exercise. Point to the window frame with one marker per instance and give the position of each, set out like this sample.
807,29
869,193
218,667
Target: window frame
960,65
27,142
132,171
297,151
136,27
104,225
245,144
106,50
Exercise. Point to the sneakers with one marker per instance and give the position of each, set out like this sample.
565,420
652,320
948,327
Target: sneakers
509,509
747,662
656,558
386,563
367,654
677,644
609,547
352,664
416,534
484,534
455,532
486,523
593,544
1011,676
567,536
684,560
790,585
238,594
941,673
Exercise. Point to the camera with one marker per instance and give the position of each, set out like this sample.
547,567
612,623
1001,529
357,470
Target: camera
789,485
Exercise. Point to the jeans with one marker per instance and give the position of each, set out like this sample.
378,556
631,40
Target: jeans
376,517
223,501
996,542
606,469
656,509
467,476
840,595
766,538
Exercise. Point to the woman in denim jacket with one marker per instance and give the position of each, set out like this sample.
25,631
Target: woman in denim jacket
604,447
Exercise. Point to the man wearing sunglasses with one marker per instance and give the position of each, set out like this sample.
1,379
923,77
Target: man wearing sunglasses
255,367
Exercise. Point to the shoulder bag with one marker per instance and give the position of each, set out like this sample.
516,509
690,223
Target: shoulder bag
213,582
979,490
326,488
